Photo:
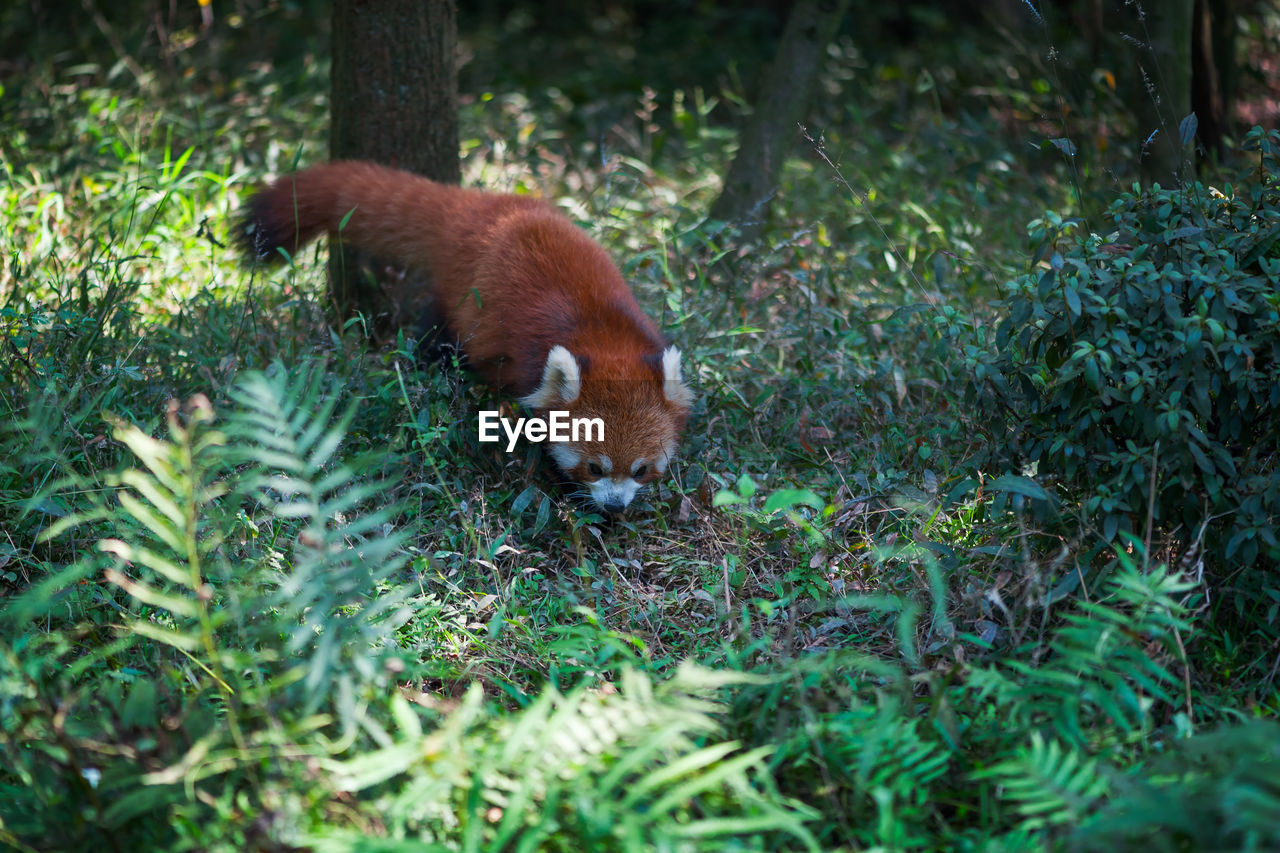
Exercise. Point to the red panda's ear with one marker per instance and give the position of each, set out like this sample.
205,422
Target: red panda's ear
673,387
561,381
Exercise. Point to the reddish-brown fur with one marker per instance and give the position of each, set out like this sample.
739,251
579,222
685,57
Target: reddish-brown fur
511,276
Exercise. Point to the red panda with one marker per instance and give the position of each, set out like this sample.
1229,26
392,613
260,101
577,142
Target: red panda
537,307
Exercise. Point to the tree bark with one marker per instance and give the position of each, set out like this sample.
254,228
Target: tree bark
394,100
1164,96
752,179
1214,71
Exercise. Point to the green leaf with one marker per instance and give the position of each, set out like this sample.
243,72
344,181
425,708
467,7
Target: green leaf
523,500
1018,485
140,708
724,497
787,498
544,515
1066,146
151,596
1072,299
1187,128
1202,461
186,642
142,800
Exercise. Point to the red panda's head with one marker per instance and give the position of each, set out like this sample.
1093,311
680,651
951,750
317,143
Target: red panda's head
642,405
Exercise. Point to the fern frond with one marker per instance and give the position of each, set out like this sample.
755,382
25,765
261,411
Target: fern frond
1214,791
623,770
169,501
1048,784
336,602
1107,663
878,770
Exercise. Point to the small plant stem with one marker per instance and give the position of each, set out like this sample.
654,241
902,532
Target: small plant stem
1151,506
196,576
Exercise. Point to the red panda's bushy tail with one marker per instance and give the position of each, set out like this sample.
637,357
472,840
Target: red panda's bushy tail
371,207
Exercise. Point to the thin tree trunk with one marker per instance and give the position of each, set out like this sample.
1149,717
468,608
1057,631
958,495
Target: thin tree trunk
1214,72
772,129
1164,98
394,100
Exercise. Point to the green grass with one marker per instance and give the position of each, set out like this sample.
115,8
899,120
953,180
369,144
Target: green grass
369,632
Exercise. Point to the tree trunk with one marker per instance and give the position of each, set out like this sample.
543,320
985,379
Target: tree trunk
394,100
753,176
1164,95
1214,72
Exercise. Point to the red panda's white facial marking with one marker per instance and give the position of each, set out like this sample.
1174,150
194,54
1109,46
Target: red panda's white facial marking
642,420
561,381
613,495
566,457
673,386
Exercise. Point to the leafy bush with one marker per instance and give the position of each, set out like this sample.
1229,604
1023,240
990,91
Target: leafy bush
1143,365
170,685
1032,741
1214,791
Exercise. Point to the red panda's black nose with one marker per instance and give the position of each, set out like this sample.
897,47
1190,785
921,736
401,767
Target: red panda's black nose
614,505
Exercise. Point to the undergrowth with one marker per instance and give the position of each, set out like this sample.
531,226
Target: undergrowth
304,608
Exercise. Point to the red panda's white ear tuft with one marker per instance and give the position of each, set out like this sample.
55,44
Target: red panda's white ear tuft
673,386
561,381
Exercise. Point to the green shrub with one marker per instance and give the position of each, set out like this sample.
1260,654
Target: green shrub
1143,365
1213,791
1009,750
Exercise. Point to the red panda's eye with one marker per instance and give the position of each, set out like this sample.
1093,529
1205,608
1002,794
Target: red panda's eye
640,471
595,470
